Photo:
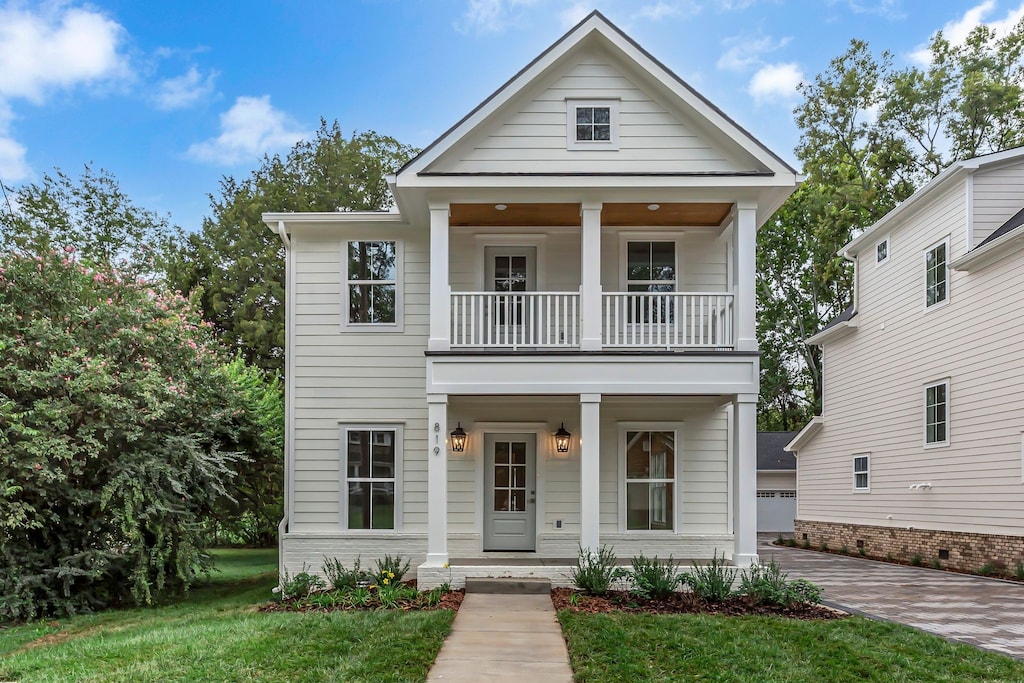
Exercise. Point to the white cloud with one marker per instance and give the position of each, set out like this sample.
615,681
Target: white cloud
13,167
890,9
745,52
57,47
184,90
249,129
776,83
491,16
574,13
956,31
661,9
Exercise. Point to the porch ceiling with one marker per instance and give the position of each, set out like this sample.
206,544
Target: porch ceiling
628,214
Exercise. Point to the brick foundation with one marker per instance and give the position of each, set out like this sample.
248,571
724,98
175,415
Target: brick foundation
966,551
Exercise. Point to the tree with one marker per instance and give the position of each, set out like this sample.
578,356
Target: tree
119,432
236,265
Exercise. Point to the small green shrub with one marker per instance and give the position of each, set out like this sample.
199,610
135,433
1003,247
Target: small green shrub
845,550
791,542
861,551
824,546
342,578
654,579
764,583
780,540
806,544
300,585
936,564
394,594
889,557
987,569
392,569
802,591
595,573
916,560
433,596
712,582
357,597
1018,571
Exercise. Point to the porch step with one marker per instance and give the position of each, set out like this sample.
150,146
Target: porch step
508,586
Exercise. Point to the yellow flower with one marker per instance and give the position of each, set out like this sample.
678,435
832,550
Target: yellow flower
446,565
372,586
386,581
391,575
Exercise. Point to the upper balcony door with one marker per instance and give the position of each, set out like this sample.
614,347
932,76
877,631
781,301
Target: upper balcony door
511,272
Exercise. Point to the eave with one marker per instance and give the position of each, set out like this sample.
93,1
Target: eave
986,254
805,435
837,331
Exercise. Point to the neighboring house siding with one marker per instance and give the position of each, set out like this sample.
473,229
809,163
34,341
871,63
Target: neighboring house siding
652,136
998,194
776,481
874,390
354,377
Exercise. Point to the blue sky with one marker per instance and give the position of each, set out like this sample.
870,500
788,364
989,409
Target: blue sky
171,96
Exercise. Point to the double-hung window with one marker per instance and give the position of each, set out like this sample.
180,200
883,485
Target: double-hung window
651,269
372,459
936,414
861,472
371,285
936,275
650,480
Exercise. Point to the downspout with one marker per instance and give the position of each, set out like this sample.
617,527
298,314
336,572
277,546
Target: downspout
289,394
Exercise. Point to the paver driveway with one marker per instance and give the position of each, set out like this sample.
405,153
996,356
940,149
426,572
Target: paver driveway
982,612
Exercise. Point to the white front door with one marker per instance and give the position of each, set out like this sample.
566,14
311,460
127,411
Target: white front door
510,518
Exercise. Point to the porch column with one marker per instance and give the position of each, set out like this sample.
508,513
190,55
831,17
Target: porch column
440,289
590,277
437,480
746,266
744,479
590,470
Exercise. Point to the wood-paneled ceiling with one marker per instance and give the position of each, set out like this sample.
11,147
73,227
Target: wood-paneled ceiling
632,214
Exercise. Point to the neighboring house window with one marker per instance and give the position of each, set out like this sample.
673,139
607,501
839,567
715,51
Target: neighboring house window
372,459
861,472
372,283
592,124
882,252
936,413
650,480
936,275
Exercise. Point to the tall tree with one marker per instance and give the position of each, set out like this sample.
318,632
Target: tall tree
236,266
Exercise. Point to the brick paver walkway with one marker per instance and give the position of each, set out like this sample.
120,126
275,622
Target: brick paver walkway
983,612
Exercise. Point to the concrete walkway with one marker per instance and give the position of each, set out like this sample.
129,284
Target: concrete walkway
504,638
983,612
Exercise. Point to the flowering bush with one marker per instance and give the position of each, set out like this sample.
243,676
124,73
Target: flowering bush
116,428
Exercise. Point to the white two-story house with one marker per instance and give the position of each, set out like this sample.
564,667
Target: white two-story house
548,345
918,451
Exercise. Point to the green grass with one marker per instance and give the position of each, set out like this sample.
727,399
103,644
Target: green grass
638,648
215,634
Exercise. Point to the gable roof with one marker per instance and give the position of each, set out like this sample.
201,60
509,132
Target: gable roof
1015,222
771,451
841,321
596,23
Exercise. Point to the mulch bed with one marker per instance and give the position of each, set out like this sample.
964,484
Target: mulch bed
451,600
683,603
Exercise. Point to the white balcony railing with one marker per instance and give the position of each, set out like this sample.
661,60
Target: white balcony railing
514,320
668,319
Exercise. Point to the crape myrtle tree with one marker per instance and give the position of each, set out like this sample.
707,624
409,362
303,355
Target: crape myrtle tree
871,134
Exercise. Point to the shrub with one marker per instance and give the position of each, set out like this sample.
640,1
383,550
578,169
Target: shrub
802,591
824,546
844,550
936,564
357,597
764,583
861,551
712,582
987,569
791,542
595,573
654,579
916,560
391,595
301,585
341,578
806,544
1018,571
392,569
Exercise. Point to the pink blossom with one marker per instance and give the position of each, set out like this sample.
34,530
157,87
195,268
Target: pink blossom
69,249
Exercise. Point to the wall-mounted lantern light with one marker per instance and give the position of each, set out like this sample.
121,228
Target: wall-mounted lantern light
459,439
562,439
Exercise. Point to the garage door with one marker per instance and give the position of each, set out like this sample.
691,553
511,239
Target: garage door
776,510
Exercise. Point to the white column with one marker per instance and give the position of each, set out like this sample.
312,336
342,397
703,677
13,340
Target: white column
746,267
590,470
437,480
440,289
590,277
744,479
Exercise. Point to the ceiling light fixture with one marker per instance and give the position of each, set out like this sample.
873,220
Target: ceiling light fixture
653,207
500,207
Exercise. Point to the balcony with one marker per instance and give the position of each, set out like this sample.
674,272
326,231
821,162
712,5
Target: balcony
630,320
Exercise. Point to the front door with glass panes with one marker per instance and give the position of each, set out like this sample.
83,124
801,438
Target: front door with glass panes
510,273
650,272
510,492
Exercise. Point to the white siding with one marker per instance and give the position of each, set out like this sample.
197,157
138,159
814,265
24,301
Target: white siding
874,391
701,256
529,133
998,195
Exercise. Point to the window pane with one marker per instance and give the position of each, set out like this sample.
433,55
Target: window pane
602,115
861,481
501,451
371,260
501,476
383,507
518,267
649,507
638,462
519,452
638,261
602,132
882,250
584,132
663,455
383,462
359,454
359,505
584,115
661,506
501,501
940,432
663,261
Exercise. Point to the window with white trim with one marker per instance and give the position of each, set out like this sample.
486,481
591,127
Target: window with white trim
936,413
862,472
936,275
371,283
592,124
651,268
370,482
650,480
882,252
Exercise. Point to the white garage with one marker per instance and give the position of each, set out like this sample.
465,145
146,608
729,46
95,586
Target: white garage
776,483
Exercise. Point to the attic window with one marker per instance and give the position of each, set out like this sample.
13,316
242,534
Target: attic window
592,124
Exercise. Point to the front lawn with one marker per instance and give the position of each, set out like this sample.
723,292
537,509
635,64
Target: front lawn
216,634
642,647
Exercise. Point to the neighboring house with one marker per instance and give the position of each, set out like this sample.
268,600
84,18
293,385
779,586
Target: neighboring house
776,482
918,450
549,344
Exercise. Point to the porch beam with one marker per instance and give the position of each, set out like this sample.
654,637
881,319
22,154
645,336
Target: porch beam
440,288
745,239
590,277
590,471
437,480
744,480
